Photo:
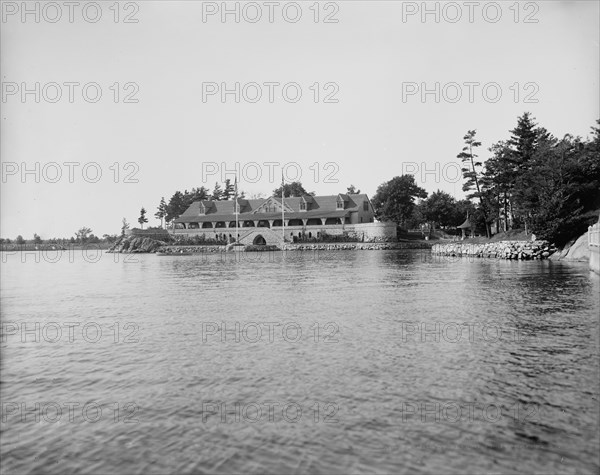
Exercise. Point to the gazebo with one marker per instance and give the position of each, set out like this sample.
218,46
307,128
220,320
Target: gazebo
464,226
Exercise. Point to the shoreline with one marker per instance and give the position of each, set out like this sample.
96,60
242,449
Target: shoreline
298,247
518,250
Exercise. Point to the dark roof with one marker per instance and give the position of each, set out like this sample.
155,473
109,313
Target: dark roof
465,225
319,207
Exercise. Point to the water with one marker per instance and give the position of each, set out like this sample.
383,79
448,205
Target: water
174,393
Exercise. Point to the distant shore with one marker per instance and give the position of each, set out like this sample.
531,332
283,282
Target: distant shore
29,247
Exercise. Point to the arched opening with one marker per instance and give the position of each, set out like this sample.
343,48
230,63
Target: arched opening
263,224
248,224
332,221
207,225
314,222
220,224
259,241
295,222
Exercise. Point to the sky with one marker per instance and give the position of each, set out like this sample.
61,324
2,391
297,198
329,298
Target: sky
330,92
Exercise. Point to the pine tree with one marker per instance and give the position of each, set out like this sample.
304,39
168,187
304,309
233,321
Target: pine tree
161,211
124,226
229,190
142,219
176,206
472,173
217,193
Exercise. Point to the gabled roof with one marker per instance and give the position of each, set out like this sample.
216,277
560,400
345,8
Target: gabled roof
321,207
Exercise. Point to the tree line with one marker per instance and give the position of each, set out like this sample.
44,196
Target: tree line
532,180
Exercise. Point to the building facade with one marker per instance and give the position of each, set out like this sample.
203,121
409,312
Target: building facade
304,217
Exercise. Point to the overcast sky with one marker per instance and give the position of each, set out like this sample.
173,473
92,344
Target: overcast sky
369,124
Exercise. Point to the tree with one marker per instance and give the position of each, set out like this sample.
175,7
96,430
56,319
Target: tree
229,190
352,190
217,193
550,185
176,207
557,188
37,239
161,211
472,172
124,226
294,188
142,219
197,194
440,208
498,181
395,200
82,234
462,210
20,239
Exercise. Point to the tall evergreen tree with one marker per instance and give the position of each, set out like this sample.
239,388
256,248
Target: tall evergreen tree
472,173
142,219
228,190
124,226
176,206
217,193
161,211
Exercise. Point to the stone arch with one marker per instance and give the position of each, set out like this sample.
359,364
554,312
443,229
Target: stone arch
259,240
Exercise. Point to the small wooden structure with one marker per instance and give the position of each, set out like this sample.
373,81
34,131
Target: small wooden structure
464,226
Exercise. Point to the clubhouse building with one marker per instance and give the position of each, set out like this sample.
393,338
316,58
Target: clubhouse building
304,217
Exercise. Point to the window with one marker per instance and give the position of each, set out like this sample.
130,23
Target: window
340,205
365,206
302,206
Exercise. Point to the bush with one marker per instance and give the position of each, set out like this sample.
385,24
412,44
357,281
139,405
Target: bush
199,240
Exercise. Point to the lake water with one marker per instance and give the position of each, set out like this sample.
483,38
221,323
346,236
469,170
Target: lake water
340,362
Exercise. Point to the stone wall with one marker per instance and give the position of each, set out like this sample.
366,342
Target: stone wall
372,232
356,246
498,250
375,232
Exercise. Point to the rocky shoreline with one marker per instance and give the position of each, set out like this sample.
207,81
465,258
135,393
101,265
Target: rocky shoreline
138,245
359,246
520,250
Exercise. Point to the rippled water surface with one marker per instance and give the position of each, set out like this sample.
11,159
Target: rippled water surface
344,362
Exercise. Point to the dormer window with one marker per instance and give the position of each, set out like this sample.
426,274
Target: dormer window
365,206
302,206
202,209
340,204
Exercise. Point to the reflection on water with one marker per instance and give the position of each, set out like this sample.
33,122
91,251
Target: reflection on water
341,362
